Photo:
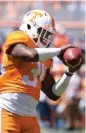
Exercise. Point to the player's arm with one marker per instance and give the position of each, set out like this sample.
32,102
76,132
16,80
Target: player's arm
25,53
53,89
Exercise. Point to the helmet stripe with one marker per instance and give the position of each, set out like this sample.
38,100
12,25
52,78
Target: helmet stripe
53,22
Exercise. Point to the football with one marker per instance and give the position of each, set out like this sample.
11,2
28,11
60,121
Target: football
72,56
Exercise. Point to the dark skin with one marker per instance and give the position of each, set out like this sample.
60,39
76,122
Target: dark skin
23,52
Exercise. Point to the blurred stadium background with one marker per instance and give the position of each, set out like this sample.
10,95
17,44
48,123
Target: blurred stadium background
68,113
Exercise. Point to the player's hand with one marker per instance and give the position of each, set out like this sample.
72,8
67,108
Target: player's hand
72,69
63,49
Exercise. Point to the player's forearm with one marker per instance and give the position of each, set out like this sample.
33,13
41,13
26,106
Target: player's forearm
47,53
61,85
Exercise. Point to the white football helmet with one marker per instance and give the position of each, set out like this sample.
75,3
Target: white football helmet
40,26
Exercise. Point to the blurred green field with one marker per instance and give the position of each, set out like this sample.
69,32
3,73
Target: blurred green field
45,130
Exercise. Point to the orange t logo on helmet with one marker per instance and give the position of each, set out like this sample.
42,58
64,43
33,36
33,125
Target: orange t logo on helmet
35,15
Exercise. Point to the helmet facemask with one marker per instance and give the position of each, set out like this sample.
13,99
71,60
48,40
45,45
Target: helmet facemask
44,37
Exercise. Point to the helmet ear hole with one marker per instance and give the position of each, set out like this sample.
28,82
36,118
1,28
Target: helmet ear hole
28,26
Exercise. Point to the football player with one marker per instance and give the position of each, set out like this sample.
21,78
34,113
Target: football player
27,59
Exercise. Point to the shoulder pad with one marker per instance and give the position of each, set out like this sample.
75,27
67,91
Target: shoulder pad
17,37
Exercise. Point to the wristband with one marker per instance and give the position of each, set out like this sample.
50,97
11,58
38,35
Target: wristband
68,74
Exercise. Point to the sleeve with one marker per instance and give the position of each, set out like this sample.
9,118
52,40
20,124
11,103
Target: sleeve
61,85
17,37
